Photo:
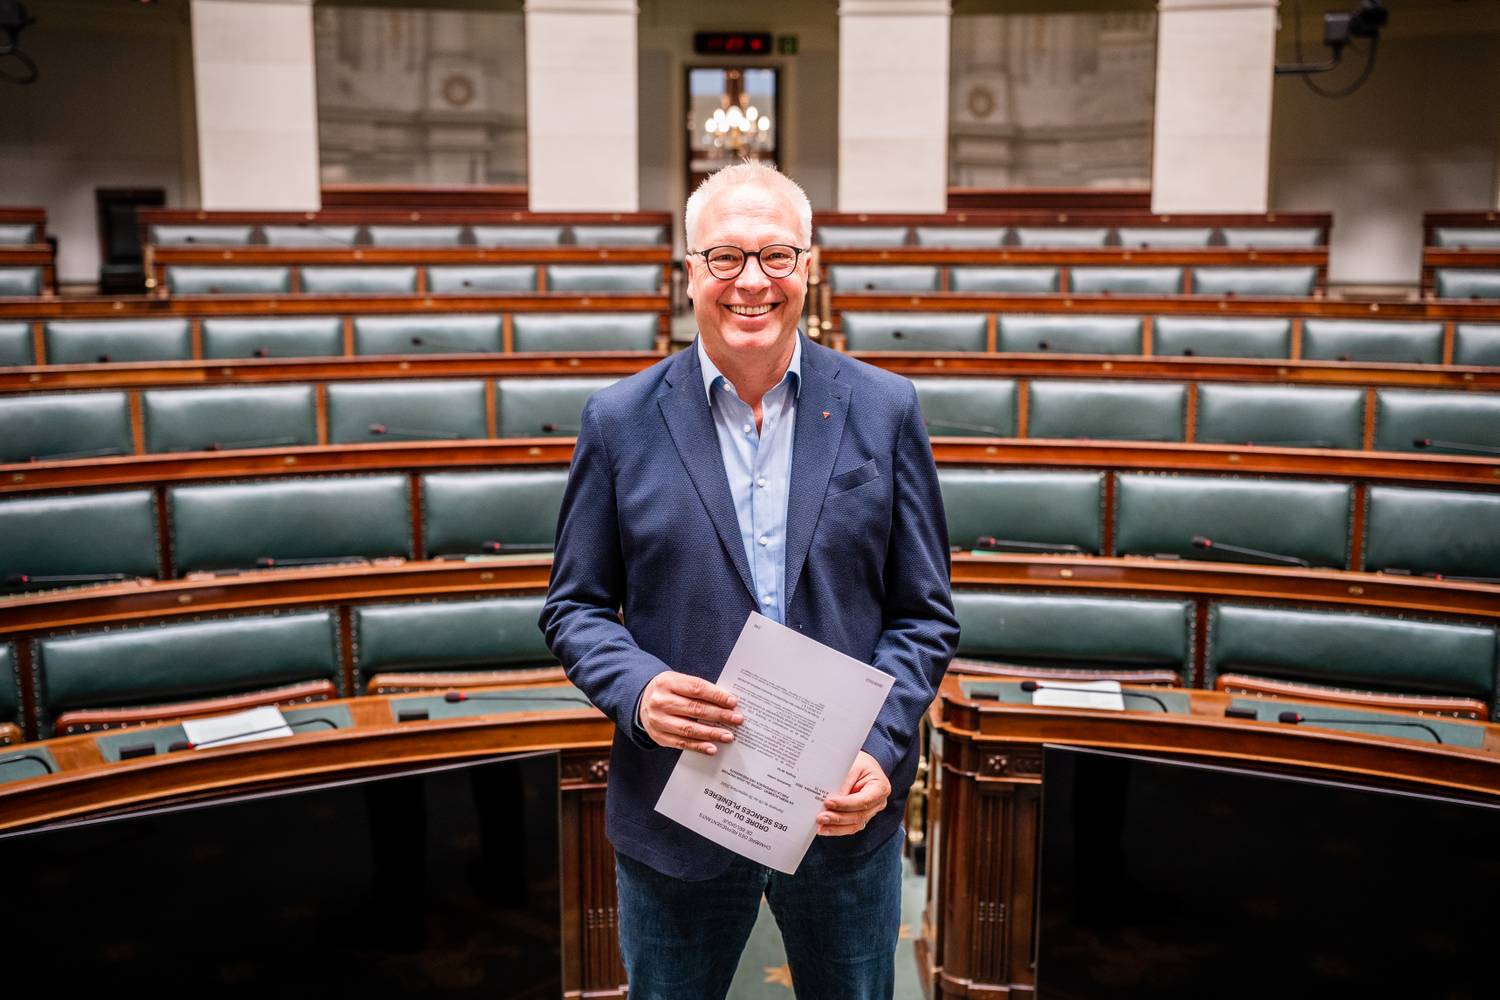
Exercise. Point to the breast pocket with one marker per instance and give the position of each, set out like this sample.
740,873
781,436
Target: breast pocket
853,478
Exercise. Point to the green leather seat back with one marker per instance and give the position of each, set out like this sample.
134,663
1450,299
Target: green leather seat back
1165,237
1290,281
361,279
1372,340
273,337
1003,279
416,236
1051,508
1403,416
1452,532
962,237
619,236
1160,515
1112,411
1347,649
231,525
10,686
1476,344
542,407
518,236
83,534
20,281
406,410
86,341
1137,280
1466,238
1061,630
15,344
450,635
572,332
1466,283
271,416
482,278
860,236
224,280
433,333
1061,237
643,278
968,407
1272,237
915,331
64,425
163,664
209,236
311,235
883,278
1216,337
1281,416
461,511
17,234
1068,334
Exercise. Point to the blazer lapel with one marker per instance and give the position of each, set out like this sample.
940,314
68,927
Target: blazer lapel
822,404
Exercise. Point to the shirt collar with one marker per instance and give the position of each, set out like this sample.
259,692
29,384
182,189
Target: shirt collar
711,373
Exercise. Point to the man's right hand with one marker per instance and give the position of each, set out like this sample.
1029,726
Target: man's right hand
678,711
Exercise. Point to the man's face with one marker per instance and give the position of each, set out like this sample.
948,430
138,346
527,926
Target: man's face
750,317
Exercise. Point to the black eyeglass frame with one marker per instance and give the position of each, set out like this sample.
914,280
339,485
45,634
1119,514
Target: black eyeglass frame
797,253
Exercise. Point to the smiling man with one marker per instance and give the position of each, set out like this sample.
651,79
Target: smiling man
755,471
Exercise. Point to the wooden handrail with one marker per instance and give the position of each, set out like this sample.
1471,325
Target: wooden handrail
436,214
1055,215
1080,256
104,307
1223,306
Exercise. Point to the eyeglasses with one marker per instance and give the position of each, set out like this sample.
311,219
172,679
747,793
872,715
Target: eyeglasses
776,261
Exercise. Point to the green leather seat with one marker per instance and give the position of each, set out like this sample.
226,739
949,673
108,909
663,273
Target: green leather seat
400,410
914,331
1451,532
518,236
619,236
163,665
1466,283
1450,420
860,236
1055,511
1161,514
1269,237
1216,337
432,333
205,236
15,344
360,279
1111,411
273,337
883,278
1285,281
233,525
18,234
968,407
1076,635
493,635
1130,280
1165,237
1348,649
416,236
962,237
88,533
577,332
542,407
1003,280
1372,340
1280,416
86,341
64,425
311,235
10,687
20,281
1463,238
481,278
1021,333
218,279
645,279
464,513
1476,344
227,417
1061,237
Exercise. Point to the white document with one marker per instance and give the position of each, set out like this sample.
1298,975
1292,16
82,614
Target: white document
1080,694
264,723
807,709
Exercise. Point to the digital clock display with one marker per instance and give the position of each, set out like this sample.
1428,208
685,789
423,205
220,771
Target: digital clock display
732,43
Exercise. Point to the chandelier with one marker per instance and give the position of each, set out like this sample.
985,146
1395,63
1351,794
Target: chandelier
737,126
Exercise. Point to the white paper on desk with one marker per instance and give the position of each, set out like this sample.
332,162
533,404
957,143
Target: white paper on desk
264,723
1103,695
807,709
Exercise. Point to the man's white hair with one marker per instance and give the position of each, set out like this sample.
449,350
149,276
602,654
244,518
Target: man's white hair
755,172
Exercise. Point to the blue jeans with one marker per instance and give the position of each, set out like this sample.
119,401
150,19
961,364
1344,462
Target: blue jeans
839,918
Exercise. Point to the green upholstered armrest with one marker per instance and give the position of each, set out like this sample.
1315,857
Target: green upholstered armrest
427,334
1061,237
965,407
311,236
232,525
86,534
518,236
210,236
1281,416
1161,514
1215,337
359,279
1466,238
273,337
962,237
619,236
1057,509
15,344
229,417
416,236
482,278
1372,340
1433,531
20,281
542,407
1476,344
1069,334
1449,420
65,425
1065,631
1268,237
571,332
462,511
1003,279
450,635
1287,281
915,331
1361,720
643,278
1130,280
1466,283
1116,411
883,278
17,234
1165,237
406,411
10,686
86,341
860,236
224,280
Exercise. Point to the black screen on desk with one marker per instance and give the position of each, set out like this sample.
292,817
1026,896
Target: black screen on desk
440,882
1172,880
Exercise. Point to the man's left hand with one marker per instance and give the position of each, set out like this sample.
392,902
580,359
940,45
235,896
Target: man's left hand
862,796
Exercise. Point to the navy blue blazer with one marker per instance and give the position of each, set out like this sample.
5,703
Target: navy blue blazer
650,573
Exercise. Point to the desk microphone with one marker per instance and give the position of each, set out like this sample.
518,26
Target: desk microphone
1033,686
976,428
1276,558
454,697
176,745
493,548
554,428
24,581
1473,449
989,543
444,345
271,562
60,456
420,433
248,443
1293,718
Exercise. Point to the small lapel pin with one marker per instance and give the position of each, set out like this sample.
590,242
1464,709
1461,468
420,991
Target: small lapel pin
825,414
